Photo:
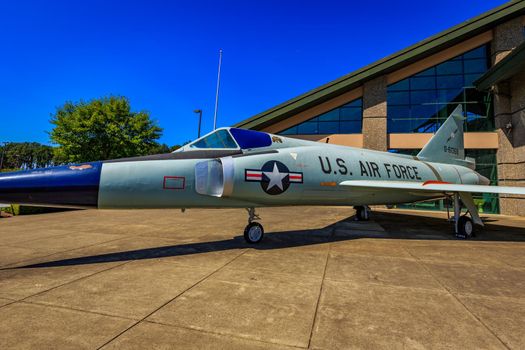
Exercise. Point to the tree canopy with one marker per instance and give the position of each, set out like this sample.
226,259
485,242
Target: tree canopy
101,129
29,155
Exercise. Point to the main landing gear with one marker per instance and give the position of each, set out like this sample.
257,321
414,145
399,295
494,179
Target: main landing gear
464,226
254,232
362,212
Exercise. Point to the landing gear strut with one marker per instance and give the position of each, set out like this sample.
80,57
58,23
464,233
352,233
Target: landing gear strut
362,213
463,225
254,232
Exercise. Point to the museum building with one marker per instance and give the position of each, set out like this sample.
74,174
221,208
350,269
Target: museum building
395,104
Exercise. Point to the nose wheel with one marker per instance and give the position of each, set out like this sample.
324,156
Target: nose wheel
254,232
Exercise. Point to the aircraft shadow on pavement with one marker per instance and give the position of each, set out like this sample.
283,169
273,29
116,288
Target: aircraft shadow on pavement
396,226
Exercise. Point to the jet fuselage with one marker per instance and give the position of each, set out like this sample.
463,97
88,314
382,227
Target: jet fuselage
285,172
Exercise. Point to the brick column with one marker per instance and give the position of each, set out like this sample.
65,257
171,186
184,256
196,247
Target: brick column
506,37
509,102
374,114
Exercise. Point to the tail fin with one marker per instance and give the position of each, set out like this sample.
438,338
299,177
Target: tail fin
446,146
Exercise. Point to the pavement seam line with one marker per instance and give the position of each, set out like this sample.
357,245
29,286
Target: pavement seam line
74,309
227,335
7,266
14,244
172,299
314,321
422,263
10,303
65,284
75,280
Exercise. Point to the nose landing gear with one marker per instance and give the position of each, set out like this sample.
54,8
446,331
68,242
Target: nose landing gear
362,213
254,232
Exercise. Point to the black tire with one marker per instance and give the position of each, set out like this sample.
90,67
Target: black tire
465,228
361,213
253,233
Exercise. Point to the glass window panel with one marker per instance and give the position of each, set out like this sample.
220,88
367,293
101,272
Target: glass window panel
450,67
355,103
471,78
423,83
398,98
426,125
478,113
329,122
329,116
448,109
430,71
400,85
476,66
353,113
290,131
473,95
446,96
480,52
398,125
450,81
399,111
424,111
474,122
348,127
423,96
431,101
328,127
307,128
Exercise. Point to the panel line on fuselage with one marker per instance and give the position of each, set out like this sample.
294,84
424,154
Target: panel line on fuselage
438,177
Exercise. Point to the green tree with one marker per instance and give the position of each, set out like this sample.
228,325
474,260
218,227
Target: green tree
101,129
161,148
29,155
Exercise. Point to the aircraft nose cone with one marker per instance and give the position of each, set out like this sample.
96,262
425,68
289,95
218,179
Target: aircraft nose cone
67,186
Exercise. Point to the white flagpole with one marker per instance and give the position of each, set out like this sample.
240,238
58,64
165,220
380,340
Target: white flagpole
217,92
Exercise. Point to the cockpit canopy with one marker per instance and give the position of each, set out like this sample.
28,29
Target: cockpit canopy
219,139
230,138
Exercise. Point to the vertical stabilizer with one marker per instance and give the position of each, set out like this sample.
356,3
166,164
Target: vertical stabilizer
446,146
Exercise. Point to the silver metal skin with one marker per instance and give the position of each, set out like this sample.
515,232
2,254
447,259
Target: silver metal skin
222,182
235,168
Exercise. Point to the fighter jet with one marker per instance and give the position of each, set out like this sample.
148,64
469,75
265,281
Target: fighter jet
238,168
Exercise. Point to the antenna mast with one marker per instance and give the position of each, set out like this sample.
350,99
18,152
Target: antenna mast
217,92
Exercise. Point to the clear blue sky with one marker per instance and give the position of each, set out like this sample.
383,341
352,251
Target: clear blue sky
163,55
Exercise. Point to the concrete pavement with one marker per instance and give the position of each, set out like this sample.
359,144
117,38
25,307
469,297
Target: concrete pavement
165,279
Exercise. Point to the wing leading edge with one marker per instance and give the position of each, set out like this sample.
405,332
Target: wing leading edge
431,186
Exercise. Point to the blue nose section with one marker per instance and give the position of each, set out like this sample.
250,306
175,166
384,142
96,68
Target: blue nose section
63,186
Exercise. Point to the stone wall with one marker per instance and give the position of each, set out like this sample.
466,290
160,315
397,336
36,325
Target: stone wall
374,114
506,37
511,158
509,114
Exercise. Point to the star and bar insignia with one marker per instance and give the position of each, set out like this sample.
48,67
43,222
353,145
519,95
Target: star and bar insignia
274,176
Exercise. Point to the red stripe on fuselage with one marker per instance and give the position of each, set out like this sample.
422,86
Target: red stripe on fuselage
434,182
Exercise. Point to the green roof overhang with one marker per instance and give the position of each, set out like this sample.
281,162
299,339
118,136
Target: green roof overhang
387,65
512,64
